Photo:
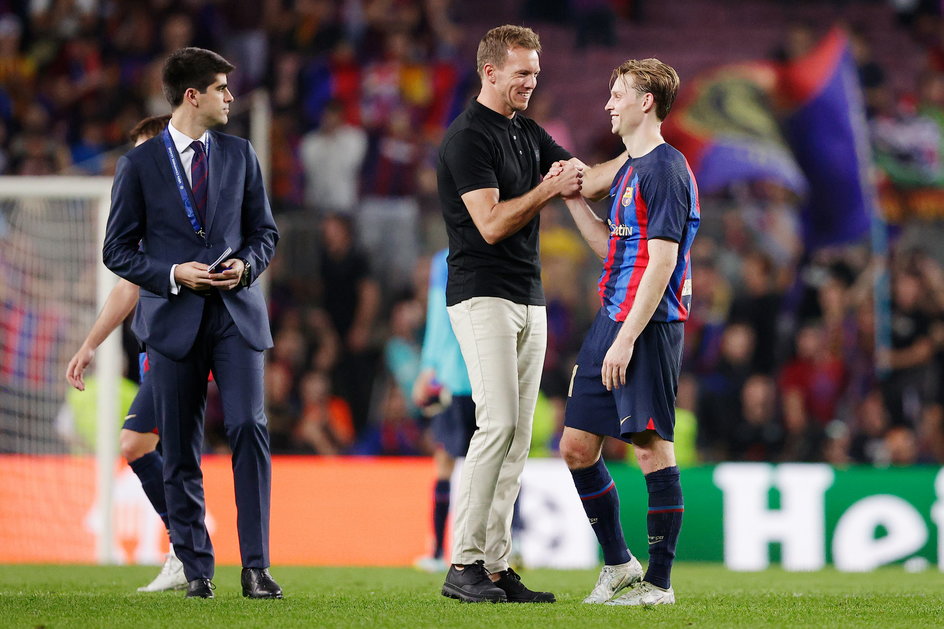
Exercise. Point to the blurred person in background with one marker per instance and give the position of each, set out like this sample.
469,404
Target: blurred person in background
443,388
403,347
815,375
325,426
757,433
838,439
395,432
870,423
719,395
282,408
758,305
909,359
388,216
902,446
931,432
351,296
803,436
332,156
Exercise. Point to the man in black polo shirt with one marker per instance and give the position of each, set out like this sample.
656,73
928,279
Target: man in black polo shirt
490,171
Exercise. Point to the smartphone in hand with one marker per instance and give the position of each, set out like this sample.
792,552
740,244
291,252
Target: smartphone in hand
216,263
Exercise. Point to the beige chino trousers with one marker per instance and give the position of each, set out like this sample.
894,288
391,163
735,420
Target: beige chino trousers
503,344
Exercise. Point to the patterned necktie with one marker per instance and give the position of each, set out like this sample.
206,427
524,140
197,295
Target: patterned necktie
198,178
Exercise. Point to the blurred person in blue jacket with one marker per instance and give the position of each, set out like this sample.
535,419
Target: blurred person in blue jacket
444,392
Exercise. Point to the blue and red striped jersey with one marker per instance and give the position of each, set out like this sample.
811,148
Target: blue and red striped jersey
653,196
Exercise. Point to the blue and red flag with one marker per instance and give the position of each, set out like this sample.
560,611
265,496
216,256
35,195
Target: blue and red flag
724,123
824,123
800,124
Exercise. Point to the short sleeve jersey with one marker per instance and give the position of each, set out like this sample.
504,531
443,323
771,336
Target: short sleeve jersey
653,197
484,149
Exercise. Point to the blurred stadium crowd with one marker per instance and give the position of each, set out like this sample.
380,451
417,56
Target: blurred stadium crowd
781,357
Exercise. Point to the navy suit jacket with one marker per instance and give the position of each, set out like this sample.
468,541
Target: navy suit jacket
148,232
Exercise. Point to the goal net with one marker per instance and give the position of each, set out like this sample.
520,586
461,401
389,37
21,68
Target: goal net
52,284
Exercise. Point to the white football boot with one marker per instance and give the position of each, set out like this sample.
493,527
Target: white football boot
645,594
431,564
613,579
171,576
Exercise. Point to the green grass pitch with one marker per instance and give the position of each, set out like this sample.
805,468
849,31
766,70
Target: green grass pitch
708,596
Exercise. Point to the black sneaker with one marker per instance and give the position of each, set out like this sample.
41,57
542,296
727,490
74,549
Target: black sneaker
472,585
515,590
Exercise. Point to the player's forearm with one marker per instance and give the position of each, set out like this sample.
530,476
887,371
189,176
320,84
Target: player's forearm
119,304
590,226
655,279
598,178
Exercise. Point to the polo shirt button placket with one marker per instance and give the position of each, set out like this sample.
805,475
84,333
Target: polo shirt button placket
514,137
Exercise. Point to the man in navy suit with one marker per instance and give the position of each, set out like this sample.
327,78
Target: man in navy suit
178,202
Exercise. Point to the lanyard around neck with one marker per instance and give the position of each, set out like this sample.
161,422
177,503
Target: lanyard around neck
181,187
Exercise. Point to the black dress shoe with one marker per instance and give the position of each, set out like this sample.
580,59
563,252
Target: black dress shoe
472,585
200,588
515,590
258,583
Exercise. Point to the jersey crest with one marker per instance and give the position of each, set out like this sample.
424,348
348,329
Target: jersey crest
627,196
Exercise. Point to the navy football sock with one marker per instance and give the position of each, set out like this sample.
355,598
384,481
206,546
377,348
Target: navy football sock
664,522
601,502
440,513
150,471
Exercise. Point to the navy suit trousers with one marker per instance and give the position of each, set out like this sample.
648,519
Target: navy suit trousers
180,390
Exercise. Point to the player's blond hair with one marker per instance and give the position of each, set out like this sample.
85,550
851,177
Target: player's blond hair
651,76
497,42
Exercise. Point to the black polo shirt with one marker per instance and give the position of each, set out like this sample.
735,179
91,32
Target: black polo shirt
484,149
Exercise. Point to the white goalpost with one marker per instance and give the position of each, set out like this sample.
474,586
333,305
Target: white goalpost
50,228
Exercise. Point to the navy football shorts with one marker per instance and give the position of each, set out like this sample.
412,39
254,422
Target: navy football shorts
141,417
453,427
646,402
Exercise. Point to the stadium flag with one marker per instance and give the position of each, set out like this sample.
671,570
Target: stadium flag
800,124
824,123
724,124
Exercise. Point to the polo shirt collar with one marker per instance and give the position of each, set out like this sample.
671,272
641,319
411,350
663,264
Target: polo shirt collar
494,117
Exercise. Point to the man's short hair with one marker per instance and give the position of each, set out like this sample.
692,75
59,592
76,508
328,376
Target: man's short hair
191,67
651,76
497,42
148,128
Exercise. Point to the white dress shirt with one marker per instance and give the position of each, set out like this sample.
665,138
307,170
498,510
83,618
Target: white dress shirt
182,143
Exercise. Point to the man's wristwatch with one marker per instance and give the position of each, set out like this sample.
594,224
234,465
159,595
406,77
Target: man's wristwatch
244,280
